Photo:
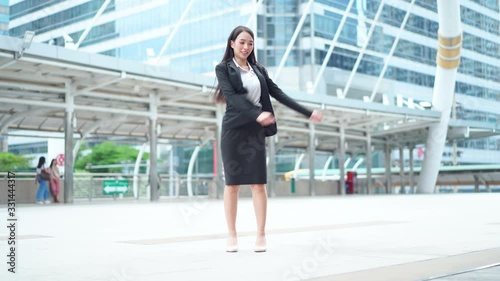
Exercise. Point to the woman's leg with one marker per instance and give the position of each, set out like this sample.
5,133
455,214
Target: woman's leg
52,186
46,196
231,208
259,195
40,192
57,188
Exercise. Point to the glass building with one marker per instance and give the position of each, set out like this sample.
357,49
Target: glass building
4,17
397,58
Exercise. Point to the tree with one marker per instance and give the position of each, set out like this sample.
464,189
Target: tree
108,153
12,162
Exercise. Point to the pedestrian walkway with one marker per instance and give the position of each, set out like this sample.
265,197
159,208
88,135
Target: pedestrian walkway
368,238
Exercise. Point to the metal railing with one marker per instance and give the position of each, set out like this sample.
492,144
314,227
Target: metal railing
91,185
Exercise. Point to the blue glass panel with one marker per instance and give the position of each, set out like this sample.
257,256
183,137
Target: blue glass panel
63,18
4,18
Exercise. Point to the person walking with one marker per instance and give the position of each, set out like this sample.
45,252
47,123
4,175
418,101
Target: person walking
55,180
245,87
42,177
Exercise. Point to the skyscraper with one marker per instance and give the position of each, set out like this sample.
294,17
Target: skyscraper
377,53
4,17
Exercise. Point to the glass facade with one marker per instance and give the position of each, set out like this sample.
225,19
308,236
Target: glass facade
4,17
56,20
144,29
40,147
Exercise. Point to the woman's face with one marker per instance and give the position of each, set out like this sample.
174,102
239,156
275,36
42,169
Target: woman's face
242,46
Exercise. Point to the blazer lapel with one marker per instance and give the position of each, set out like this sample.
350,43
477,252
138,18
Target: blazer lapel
235,76
265,100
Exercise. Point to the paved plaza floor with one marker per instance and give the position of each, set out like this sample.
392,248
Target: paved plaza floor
483,273
355,238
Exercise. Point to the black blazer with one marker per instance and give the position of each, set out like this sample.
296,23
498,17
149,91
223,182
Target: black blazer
239,110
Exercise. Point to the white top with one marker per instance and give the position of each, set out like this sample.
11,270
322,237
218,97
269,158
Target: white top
251,83
39,170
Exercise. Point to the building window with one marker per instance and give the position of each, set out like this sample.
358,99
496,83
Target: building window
29,148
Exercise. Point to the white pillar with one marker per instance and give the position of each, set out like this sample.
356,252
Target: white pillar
402,170
69,115
171,172
368,160
153,142
455,151
448,58
412,175
311,152
341,160
271,167
219,180
388,168
135,185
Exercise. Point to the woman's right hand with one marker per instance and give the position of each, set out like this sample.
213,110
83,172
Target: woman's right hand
266,118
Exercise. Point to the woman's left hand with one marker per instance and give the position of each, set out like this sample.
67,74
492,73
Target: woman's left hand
316,116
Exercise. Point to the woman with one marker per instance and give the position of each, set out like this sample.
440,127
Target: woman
42,196
55,180
245,87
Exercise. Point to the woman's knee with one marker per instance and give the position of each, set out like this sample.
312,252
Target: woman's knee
232,188
258,188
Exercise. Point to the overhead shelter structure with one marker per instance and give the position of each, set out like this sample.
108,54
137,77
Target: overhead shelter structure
54,89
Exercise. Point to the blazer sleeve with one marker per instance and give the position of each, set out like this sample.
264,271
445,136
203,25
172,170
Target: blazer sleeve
237,100
278,94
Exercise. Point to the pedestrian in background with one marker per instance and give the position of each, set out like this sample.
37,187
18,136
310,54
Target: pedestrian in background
42,177
244,85
55,180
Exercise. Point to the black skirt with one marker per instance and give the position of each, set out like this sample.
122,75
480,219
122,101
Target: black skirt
244,154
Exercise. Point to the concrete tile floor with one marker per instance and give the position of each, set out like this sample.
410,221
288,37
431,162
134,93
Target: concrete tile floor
369,238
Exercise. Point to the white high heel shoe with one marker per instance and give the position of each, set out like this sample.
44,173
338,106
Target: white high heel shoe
260,245
232,245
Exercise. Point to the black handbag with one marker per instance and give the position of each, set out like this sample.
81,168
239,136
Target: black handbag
45,175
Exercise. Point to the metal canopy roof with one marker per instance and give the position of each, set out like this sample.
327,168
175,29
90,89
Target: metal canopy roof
113,97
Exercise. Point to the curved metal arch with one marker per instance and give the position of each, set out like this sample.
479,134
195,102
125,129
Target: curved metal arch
87,131
21,115
191,166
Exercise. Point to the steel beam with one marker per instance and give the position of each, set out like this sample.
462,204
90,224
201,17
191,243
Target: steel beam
332,45
391,52
363,49
174,31
296,33
91,24
194,156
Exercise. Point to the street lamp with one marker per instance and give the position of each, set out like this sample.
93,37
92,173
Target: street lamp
27,40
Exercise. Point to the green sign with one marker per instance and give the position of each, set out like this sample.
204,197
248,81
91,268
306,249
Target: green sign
115,187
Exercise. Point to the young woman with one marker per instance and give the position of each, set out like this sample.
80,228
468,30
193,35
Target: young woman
246,88
55,180
42,196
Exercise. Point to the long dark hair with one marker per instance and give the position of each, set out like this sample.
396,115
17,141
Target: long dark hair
41,161
52,162
229,54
